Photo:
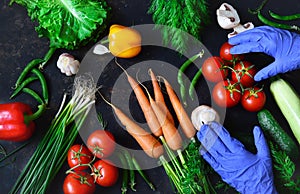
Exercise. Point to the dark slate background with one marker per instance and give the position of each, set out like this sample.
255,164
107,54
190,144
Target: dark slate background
19,44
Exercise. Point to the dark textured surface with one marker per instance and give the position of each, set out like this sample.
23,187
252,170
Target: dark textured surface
19,44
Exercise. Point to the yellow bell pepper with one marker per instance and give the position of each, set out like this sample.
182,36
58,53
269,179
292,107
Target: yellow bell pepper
124,42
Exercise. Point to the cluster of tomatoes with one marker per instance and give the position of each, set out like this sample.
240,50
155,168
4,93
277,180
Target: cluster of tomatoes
89,164
234,80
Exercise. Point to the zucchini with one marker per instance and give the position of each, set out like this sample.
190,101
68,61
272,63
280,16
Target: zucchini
289,103
274,131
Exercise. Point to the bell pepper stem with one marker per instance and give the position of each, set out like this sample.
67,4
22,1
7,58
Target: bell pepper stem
37,114
104,41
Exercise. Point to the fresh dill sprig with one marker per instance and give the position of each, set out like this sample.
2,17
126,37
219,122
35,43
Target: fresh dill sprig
284,169
188,16
102,122
2,150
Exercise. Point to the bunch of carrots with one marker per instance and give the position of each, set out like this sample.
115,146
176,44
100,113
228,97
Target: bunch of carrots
185,168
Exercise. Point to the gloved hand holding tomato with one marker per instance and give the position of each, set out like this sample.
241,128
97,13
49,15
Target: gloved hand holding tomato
283,45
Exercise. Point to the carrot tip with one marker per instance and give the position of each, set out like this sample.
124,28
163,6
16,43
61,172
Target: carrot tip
149,71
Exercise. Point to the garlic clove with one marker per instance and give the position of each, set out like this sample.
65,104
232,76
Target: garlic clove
100,49
203,114
74,67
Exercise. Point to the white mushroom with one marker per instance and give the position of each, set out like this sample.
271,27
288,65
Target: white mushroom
228,18
204,114
67,64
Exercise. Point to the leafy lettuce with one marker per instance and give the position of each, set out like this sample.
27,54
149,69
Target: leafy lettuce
68,24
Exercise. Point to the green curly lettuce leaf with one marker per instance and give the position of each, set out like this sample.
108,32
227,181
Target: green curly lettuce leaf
68,24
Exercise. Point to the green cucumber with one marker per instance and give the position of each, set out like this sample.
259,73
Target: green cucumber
274,131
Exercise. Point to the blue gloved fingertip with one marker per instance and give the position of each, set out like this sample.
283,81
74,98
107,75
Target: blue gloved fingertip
257,78
202,150
257,131
201,132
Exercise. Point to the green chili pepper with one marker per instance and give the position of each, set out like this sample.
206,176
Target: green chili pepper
193,83
47,57
22,85
33,94
275,24
183,67
27,69
266,21
284,17
43,84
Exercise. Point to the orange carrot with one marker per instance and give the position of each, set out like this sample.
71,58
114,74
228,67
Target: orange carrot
159,98
170,132
149,114
182,116
151,146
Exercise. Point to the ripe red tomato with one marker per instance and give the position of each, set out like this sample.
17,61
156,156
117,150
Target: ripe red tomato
79,183
212,69
101,143
253,99
79,154
226,93
105,173
244,72
227,56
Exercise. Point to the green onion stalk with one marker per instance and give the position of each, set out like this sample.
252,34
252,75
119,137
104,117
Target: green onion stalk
187,171
51,152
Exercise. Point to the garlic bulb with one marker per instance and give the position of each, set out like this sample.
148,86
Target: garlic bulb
68,64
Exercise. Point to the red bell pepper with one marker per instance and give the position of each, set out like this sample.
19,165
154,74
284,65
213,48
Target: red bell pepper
16,121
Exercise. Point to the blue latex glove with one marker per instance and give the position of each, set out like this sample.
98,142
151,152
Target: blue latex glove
248,173
283,45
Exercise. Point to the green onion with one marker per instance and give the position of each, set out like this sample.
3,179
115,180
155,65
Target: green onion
50,153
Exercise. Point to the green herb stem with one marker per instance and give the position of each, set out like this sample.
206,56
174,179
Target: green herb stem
131,170
143,175
125,173
174,161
